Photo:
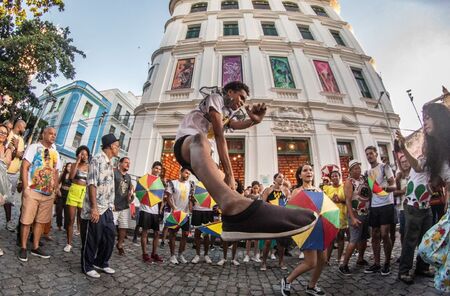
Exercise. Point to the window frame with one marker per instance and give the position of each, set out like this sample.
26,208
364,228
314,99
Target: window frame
75,138
261,4
337,36
199,7
319,11
234,29
263,24
112,129
308,28
191,30
292,6
362,83
84,109
231,5
117,111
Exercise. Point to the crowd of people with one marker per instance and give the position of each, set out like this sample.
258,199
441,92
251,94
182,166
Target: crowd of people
99,197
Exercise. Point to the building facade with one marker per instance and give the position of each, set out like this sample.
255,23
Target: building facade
325,101
76,113
120,120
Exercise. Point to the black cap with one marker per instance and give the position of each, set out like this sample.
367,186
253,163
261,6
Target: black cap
108,139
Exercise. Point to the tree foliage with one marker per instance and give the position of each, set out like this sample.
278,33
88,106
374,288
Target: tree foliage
31,48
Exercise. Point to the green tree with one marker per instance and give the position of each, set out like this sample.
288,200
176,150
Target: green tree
31,48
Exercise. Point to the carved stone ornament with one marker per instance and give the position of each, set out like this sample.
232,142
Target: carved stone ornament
291,119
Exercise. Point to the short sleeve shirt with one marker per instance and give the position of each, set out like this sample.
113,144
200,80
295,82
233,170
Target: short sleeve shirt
14,167
381,173
179,192
122,185
44,163
360,196
100,175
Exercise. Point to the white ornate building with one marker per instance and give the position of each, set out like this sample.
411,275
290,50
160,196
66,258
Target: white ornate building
298,56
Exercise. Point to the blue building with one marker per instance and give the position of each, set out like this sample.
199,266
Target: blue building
76,113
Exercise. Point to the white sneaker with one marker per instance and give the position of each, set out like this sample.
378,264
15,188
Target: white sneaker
67,248
208,260
107,270
256,259
273,257
1,252
301,256
246,259
93,274
173,259
182,259
235,262
10,226
196,259
76,232
221,262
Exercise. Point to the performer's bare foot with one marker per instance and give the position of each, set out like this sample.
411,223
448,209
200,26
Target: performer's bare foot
243,218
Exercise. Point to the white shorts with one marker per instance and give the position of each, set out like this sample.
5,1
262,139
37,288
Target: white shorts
121,218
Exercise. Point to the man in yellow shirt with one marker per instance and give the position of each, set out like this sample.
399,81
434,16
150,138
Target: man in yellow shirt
15,137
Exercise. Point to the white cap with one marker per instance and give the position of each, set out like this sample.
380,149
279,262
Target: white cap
352,163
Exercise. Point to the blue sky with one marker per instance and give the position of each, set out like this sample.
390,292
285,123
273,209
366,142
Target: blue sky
409,39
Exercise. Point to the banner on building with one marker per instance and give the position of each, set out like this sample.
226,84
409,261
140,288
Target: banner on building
231,69
183,74
326,77
282,75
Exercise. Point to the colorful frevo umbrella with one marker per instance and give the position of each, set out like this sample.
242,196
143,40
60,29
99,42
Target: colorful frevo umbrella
375,187
327,169
149,190
213,228
202,196
323,233
176,219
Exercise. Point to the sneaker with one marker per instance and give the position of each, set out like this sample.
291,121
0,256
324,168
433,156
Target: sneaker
196,259
285,287
386,270
301,256
146,258
10,226
256,259
76,232
39,253
208,260
67,248
107,269
173,260
235,262
134,240
373,269
273,257
406,278
93,274
182,259
221,262
314,291
283,267
157,258
1,252
263,267
23,255
246,259
345,270
261,215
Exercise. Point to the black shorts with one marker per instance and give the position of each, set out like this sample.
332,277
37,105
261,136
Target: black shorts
185,228
148,221
179,156
202,217
381,216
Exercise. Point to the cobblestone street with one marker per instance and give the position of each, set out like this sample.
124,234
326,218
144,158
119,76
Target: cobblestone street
61,274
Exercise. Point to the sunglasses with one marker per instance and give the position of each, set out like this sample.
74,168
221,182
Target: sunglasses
46,154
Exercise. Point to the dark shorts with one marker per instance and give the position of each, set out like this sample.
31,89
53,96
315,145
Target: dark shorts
202,217
148,221
284,242
179,156
360,233
185,228
384,215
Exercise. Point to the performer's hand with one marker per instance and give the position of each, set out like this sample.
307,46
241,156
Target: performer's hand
401,139
256,112
95,216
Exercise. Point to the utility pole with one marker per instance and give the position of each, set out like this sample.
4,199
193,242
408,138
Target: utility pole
100,121
414,105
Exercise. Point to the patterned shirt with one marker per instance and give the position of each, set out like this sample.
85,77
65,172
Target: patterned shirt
101,175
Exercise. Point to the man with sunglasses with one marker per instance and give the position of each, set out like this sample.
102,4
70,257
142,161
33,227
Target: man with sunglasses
40,170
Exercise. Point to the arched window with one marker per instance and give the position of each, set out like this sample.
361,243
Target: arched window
319,11
230,5
201,6
261,4
291,6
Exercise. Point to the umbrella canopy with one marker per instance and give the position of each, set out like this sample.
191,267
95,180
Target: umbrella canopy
375,187
149,190
202,196
323,233
327,169
278,202
213,228
176,219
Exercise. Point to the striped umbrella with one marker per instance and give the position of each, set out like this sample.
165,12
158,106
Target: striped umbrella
149,190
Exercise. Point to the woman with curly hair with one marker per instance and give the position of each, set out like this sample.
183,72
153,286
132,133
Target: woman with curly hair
435,245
